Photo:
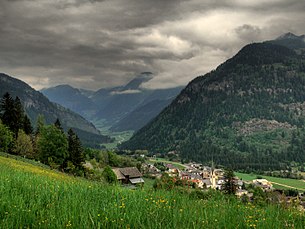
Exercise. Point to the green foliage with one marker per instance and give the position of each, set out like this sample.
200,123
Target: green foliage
24,145
165,182
52,146
75,150
13,116
40,124
109,175
229,186
6,138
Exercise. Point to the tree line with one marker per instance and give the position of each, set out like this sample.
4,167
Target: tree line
47,143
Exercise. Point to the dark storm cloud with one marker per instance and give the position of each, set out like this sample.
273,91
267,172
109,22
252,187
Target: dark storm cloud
99,43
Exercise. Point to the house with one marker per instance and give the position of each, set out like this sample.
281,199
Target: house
241,192
128,175
262,183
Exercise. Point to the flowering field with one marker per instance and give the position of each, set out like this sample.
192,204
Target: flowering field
35,197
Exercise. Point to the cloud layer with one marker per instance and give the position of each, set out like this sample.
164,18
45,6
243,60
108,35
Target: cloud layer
101,43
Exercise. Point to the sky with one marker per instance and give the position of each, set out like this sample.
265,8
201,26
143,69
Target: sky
95,44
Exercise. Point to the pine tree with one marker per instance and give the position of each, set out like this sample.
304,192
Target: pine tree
27,126
75,149
7,109
229,185
17,116
40,124
57,124
13,116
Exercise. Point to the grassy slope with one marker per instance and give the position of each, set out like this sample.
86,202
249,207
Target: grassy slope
281,182
35,197
176,164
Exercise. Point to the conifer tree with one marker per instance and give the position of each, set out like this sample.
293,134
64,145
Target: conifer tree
229,185
7,109
40,124
57,124
75,149
17,116
27,126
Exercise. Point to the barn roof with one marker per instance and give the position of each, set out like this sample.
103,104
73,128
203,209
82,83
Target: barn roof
118,174
132,172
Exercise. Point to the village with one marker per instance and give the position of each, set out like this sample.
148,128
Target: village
202,178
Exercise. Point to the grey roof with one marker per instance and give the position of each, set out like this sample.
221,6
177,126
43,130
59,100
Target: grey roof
136,180
207,181
132,172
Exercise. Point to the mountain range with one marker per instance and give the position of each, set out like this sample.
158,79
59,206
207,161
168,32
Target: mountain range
121,108
35,103
249,113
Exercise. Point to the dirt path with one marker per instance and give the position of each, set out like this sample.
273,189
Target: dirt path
287,186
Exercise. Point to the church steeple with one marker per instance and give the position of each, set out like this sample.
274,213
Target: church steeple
213,175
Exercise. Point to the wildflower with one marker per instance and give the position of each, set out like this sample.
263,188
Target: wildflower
69,224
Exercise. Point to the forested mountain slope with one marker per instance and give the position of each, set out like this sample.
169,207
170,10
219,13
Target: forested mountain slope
248,113
36,103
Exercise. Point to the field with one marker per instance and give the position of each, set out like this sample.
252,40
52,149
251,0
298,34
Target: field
36,197
176,164
282,183
118,136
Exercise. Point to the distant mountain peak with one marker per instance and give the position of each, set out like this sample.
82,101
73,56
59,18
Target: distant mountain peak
135,83
290,35
291,41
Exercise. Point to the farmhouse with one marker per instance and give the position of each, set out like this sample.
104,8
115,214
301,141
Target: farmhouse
263,183
128,175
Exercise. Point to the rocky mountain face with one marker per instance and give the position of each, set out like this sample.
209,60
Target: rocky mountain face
127,107
36,103
246,114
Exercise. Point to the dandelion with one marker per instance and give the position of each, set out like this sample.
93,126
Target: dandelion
69,224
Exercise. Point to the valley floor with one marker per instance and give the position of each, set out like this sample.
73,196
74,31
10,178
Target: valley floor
281,183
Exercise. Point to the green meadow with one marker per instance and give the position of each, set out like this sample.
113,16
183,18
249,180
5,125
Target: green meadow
282,183
176,164
36,197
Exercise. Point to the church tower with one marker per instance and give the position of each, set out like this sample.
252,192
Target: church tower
213,176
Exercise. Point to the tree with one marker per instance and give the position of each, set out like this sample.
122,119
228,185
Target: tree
52,146
75,149
27,126
58,125
7,109
24,146
6,138
229,185
17,116
109,175
40,124
13,116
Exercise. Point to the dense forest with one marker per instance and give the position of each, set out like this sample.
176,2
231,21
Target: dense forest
247,114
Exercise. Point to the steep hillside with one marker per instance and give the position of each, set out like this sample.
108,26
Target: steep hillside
36,103
246,114
71,98
140,116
